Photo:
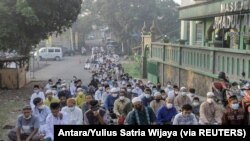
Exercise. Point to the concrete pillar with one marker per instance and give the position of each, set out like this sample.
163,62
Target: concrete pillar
184,30
192,33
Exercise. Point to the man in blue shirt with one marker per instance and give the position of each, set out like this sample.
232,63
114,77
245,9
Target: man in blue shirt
166,113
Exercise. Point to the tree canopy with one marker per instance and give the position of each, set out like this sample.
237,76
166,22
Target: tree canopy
126,17
25,23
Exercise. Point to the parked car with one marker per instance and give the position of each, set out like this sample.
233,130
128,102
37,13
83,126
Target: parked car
67,51
49,53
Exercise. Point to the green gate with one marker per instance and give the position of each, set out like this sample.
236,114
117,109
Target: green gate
153,72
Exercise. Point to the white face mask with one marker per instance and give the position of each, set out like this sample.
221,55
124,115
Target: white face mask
36,91
196,103
147,95
210,100
63,88
129,90
41,107
122,97
169,105
114,95
72,108
27,117
183,93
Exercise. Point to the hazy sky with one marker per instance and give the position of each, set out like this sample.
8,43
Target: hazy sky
178,1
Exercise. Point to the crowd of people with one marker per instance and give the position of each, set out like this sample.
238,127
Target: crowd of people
112,97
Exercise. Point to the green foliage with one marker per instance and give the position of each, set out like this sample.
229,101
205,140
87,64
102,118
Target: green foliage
25,23
126,17
132,69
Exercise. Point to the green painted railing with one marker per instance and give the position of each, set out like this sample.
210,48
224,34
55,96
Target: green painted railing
208,61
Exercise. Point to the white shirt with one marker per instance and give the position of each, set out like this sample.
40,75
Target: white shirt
98,95
72,89
75,117
171,94
138,91
51,121
35,95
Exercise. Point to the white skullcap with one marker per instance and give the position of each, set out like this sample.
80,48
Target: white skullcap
79,89
114,90
157,94
210,94
63,84
136,99
183,89
48,91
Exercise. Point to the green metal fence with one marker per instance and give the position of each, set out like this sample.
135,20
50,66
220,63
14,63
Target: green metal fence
204,60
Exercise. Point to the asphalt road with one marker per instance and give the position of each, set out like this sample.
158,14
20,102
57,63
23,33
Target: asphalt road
64,69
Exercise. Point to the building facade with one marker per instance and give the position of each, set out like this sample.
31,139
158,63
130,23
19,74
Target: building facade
216,23
217,40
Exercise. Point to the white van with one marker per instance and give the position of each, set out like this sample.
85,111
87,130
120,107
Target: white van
49,53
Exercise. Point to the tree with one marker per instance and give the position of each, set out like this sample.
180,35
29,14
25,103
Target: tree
167,18
126,17
25,23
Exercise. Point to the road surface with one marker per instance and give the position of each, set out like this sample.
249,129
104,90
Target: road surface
64,69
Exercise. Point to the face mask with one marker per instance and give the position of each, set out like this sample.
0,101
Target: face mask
114,95
169,105
41,107
235,106
183,93
147,95
209,100
122,97
27,117
63,88
36,91
72,108
164,96
176,92
186,115
169,86
100,89
196,103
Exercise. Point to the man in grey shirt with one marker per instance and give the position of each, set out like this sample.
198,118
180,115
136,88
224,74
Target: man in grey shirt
26,127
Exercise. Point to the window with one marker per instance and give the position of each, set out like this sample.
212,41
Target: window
43,50
57,50
199,32
51,50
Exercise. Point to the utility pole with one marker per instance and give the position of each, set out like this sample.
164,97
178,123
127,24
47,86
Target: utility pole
71,39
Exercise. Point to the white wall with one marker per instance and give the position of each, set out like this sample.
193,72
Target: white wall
190,2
